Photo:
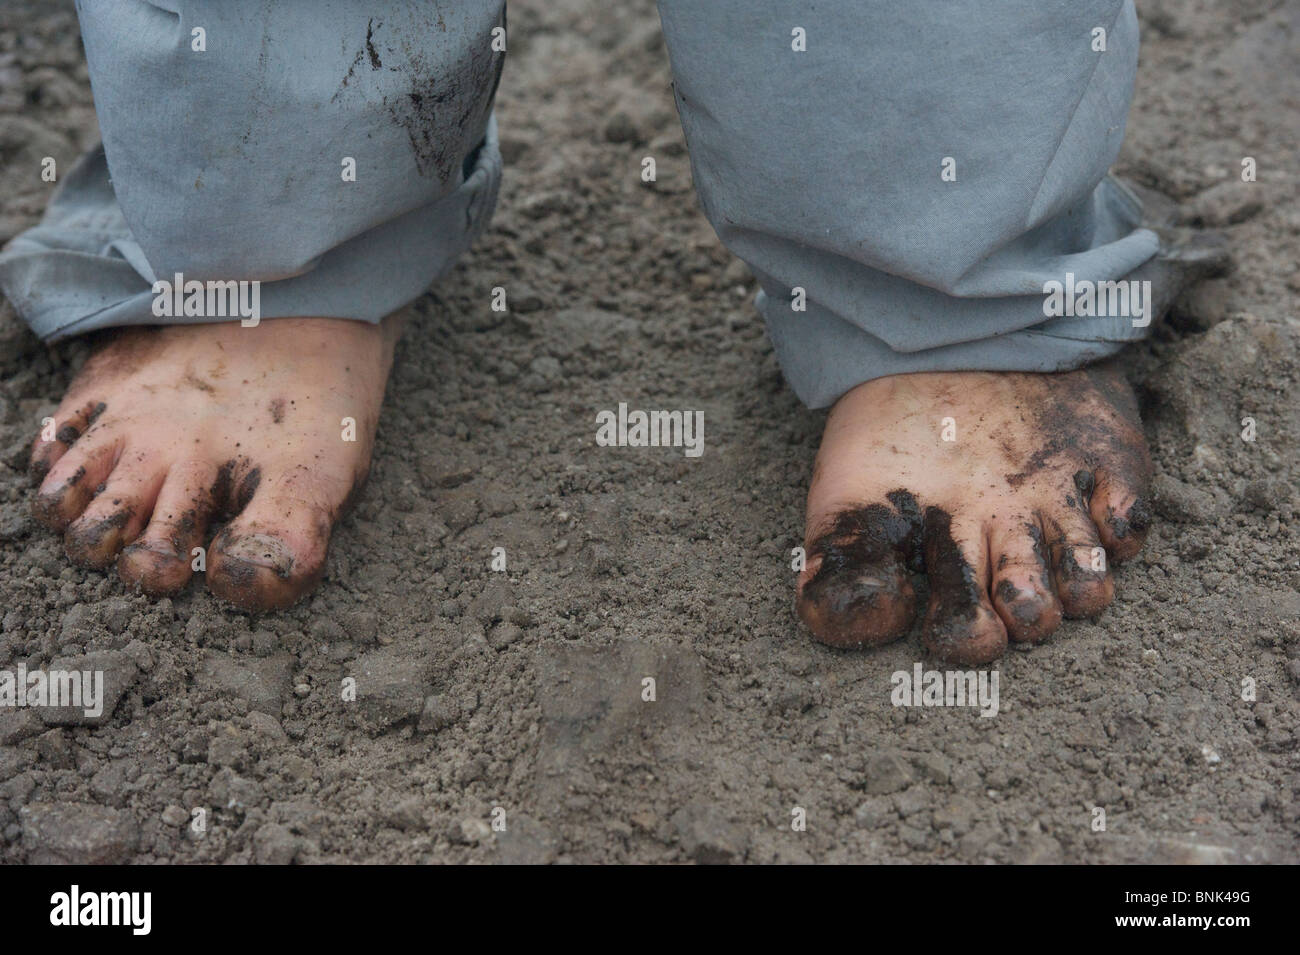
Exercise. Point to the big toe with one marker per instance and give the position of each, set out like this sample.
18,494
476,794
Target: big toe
855,591
856,605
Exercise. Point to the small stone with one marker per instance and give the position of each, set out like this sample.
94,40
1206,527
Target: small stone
503,635
226,749
263,683
407,815
390,689
887,773
116,613
526,842
440,711
77,834
1265,495
175,816
873,813
1150,657
1182,502
108,783
266,726
707,836
111,673
1227,203
958,814
912,800
274,844
914,838
934,767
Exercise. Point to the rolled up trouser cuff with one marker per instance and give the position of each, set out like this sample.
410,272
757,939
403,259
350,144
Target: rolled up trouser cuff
901,327
915,173
81,269
340,157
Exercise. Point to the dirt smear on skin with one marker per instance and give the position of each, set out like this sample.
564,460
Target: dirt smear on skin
955,592
95,543
860,593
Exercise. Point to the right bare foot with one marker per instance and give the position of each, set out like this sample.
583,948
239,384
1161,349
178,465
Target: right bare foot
166,430
1012,521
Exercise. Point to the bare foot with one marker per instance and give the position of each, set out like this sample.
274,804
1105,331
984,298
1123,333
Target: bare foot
1015,521
168,430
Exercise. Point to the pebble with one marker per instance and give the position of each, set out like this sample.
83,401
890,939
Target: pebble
77,834
440,711
261,682
503,635
707,836
1265,495
274,844
175,816
1182,502
1228,203
407,815
887,772
119,673
390,689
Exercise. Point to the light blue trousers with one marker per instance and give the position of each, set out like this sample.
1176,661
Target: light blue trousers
902,177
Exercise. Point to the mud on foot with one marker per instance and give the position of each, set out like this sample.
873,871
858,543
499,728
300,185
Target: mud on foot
1015,521
167,432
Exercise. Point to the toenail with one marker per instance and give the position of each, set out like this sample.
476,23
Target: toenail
260,550
154,549
94,543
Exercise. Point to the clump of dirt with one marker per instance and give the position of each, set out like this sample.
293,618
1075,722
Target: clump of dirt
634,685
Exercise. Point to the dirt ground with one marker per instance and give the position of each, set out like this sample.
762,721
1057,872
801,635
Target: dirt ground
517,695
